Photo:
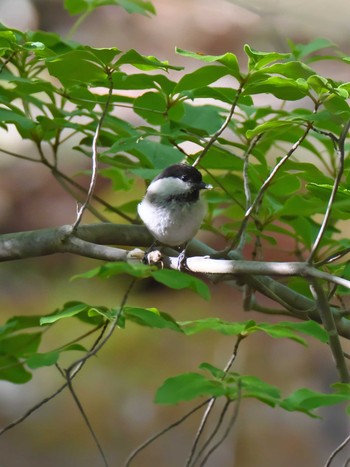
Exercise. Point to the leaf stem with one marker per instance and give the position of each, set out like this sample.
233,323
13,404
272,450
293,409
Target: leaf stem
78,23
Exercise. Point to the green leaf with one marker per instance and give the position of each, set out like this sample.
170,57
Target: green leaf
69,310
229,60
20,344
74,348
215,324
258,60
280,125
152,107
207,118
17,118
293,70
186,387
301,206
104,56
7,40
75,7
250,386
277,331
32,46
120,180
284,329
311,328
302,50
90,71
201,77
256,388
12,370
142,62
307,400
282,88
39,360
180,280
112,269
158,155
151,317
284,185
217,373
220,158
17,323
342,388
54,44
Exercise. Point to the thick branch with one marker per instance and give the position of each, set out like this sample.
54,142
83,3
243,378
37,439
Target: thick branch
92,240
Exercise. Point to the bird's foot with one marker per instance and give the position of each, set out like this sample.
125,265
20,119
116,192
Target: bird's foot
152,257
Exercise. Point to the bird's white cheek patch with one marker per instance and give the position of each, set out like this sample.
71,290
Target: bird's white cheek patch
168,186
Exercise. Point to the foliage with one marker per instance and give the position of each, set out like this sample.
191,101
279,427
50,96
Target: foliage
275,167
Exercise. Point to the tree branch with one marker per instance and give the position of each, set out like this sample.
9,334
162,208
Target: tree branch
329,325
93,241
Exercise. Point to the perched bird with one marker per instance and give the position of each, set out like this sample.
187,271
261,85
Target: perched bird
172,209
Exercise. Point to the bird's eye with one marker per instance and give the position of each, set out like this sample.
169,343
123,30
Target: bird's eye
184,178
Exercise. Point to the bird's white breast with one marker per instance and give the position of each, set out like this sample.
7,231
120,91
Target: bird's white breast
172,223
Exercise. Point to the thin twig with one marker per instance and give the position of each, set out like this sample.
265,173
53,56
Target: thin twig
56,172
69,190
213,433
247,192
161,433
217,181
32,410
336,451
341,155
48,398
86,419
229,427
223,126
201,427
19,156
7,60
76,366
330,326
211,404
265,185
95,155
333,257
102,342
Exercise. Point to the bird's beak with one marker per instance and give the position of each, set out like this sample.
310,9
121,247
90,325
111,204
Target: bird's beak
205,186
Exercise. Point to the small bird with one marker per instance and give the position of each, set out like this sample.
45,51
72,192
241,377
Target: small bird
172,209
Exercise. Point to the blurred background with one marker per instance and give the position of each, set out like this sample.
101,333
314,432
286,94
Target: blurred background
117,388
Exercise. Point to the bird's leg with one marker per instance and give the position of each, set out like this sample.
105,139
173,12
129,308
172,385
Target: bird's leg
146,259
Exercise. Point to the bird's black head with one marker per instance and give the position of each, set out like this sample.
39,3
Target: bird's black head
184,172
